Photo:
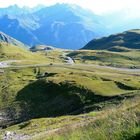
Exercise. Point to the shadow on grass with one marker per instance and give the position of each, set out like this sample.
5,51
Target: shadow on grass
48,99
136,137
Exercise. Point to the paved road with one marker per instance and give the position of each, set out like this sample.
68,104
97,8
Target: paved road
5,64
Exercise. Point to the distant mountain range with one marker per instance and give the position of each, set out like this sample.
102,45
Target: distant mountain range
61,25
128,39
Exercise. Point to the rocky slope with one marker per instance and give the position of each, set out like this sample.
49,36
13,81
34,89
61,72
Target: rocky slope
9,40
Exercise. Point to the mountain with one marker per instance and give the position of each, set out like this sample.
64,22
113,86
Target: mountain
19,28
12,10
60,25
65,26
13,50
9,40
128,39
16,10
71,28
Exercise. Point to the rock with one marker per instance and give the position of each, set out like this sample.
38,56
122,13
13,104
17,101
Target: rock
9,135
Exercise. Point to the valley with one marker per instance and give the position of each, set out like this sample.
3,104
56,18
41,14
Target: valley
46,97
61,79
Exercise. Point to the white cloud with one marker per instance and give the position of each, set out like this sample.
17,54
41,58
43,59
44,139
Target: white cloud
98,6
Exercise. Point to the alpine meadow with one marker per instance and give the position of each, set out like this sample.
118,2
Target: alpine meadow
69,70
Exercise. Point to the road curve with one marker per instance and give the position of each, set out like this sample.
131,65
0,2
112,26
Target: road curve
5,64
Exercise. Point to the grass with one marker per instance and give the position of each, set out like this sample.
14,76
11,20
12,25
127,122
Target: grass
117,59
67,89
82,102
127,58
10,52
117,126
118,123
97,78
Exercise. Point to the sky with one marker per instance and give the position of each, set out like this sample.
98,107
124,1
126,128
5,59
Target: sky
98,6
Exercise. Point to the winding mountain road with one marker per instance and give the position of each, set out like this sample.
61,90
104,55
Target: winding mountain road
7,64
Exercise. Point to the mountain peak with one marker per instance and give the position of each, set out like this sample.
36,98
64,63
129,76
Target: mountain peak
15,5
61,25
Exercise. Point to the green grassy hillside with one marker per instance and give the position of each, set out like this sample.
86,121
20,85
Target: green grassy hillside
42,104
11,52
129,39
27,94
70,101
129,58
12,49
8,51
116,56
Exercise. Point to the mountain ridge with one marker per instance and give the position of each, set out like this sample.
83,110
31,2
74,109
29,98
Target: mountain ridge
61,25
129,39
10,40
64,25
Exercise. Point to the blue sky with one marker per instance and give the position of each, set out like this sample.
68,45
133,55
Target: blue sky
98,6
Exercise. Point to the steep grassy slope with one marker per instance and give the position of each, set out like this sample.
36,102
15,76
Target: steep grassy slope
118,122
12,49
129,58
129,39
11,52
